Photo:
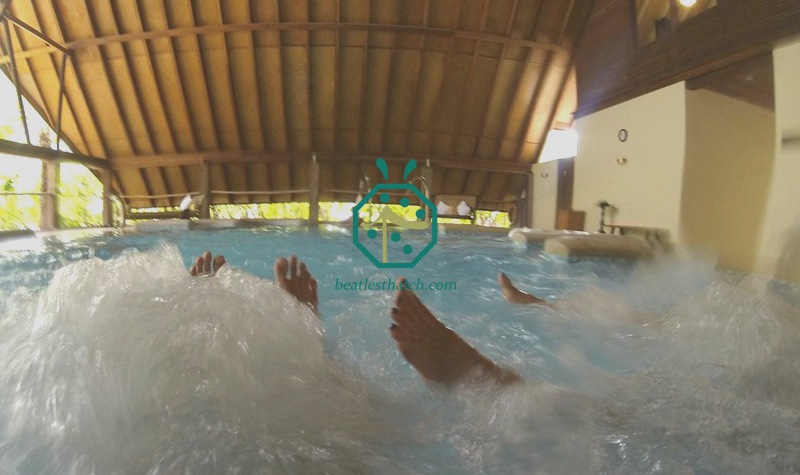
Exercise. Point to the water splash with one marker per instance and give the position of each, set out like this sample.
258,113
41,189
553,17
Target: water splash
130,366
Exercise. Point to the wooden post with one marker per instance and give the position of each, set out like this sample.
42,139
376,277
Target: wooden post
427,175
108,220
49,204
205,189
15,80
313,191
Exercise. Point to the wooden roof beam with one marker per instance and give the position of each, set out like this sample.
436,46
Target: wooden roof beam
8,147
246,157
211,29
53,43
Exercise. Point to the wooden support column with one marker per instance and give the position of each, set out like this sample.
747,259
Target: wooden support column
427,175
15,80
313,191
205,189
49,204
108,210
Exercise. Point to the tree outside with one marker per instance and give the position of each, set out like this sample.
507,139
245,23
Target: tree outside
79,191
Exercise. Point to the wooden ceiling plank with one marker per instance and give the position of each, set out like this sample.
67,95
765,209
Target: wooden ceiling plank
226,71
67,102
150,142
204,83
175,70
557,100
337,181
307,26
462,102
498,70
528,63
76,76
290,26
151,70
501,138
231,96
136,89
309,81
362,106
204,80
392,63
549,65
260,123
196,158
35,32
286,168
388,99
15,79
448,57
438,109
117,102
48,114
415,87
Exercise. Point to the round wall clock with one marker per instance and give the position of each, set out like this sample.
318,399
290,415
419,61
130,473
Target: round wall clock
622,135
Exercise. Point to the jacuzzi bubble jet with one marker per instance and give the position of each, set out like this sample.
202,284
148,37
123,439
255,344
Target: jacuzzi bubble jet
131,366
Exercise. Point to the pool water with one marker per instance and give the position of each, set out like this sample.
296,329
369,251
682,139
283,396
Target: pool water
114,360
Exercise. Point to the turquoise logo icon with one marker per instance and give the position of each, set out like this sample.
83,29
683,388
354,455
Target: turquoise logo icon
389,240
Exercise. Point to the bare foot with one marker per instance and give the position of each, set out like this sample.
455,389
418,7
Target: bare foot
514,295
437,352
296,280
204,265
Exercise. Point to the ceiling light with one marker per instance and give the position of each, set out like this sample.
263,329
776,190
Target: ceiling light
688,3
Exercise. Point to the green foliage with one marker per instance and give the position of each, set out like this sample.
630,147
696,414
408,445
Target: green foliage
498,219
20,211
80,198
292,210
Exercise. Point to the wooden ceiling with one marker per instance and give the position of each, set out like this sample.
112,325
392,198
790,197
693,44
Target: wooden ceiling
253,87
749,81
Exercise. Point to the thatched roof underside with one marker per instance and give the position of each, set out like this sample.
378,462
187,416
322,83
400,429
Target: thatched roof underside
253,87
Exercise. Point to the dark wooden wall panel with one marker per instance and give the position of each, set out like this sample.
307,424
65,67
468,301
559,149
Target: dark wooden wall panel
610,70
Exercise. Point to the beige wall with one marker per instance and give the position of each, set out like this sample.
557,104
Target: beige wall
780,238
545,195
729,155
647,189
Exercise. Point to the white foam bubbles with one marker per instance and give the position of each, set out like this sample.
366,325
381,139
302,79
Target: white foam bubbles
132,366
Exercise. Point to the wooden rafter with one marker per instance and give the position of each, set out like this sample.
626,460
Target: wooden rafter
151,71
47,113
437,109
117,103
248,175
362,106
287,167
8,147
137,102
183,85
75,75
308,26
412,114
276,158
462,102
204,79
231,96
58,70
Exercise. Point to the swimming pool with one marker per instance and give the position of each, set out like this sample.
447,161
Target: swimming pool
115,361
